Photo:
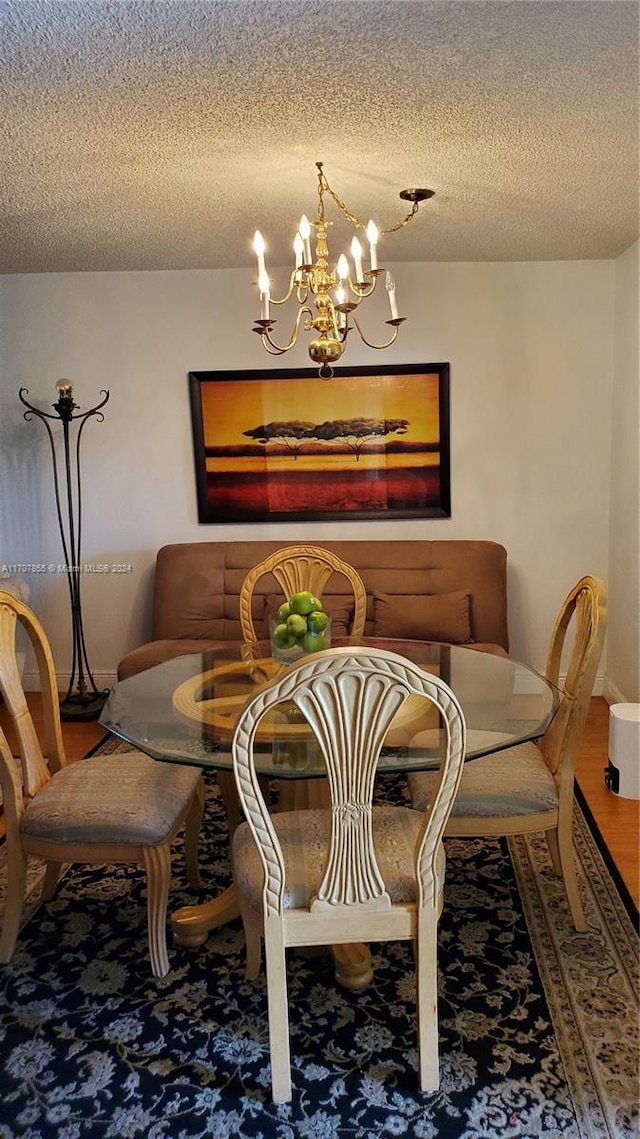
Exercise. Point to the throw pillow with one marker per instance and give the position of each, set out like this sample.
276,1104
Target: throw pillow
433,617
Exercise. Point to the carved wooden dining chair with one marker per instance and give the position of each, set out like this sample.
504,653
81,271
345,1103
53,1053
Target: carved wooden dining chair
108,809
302,567
529,787
355,871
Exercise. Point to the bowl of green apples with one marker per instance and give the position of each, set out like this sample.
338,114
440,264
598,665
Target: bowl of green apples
300,626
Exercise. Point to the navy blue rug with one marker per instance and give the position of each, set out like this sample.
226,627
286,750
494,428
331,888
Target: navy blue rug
538,1026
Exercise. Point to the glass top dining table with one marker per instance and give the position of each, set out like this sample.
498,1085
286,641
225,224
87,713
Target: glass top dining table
184,711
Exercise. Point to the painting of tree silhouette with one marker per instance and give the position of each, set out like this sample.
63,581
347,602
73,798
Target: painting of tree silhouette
356,433
284,446
352,433
291,434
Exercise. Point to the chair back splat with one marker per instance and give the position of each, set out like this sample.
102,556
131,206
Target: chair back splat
36,771
296,568
356,871
584,610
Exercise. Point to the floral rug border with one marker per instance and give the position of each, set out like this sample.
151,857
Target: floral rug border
591,980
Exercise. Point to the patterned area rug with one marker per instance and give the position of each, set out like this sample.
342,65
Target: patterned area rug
538,1024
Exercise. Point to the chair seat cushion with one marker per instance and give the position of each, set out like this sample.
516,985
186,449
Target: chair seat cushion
126,798
509,783
304,838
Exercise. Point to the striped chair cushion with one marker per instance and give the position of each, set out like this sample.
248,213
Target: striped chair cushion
512,782
123,798
304,838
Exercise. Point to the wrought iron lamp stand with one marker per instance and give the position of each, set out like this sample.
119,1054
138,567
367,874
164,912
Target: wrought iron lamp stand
83,700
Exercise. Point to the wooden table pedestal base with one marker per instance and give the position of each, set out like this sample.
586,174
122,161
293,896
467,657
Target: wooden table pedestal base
192,924
353,969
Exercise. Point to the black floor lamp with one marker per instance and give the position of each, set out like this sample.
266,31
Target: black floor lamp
83,700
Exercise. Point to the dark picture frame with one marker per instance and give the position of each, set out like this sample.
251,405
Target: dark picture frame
287,446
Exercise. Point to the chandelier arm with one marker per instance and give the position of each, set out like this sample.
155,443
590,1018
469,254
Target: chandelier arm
292,284
279,349
340,332
377,346
270,347
362,292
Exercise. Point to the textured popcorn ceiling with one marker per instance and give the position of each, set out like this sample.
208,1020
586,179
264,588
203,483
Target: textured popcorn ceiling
159,135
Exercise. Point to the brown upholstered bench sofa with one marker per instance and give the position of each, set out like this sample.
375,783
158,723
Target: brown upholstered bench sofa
453,591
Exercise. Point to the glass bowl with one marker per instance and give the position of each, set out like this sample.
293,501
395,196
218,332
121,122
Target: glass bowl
290,648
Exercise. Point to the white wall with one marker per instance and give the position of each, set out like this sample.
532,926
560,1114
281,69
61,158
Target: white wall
531,354
623,657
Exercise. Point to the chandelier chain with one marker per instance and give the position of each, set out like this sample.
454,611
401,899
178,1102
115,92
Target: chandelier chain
323,186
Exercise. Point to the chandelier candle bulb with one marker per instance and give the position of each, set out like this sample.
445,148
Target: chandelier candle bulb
259,248
298,249
305,233
372,238
356,253
390,286
341,297
263,285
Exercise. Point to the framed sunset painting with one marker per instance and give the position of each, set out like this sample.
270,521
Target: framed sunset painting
286,446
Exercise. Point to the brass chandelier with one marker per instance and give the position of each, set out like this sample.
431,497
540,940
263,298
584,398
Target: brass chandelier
335,293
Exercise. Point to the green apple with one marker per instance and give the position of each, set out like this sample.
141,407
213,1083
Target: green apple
313,643
317,621
282,637
284,611
297,625
304,602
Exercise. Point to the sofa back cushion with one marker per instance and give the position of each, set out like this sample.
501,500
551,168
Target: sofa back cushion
197,584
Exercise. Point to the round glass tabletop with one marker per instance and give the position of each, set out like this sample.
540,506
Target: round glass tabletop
184,711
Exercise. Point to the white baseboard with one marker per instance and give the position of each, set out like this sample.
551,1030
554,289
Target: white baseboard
31,681
611,693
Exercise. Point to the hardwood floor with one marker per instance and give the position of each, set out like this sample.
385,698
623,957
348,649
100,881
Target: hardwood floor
618,819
